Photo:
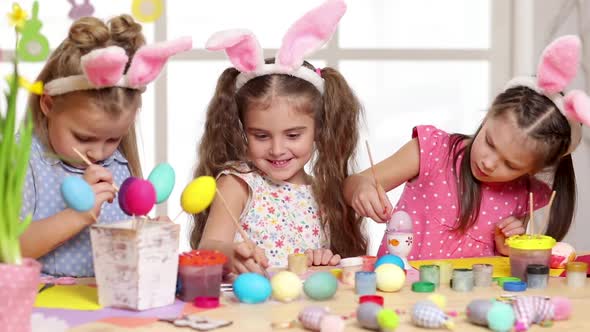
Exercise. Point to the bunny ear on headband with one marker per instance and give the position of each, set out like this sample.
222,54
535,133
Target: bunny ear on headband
305,36
104,68
558,67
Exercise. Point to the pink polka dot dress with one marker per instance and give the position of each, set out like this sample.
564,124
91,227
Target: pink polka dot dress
431,200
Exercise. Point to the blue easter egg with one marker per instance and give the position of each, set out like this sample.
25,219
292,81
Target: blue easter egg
162,177
320,286
252,288
77,194
390,259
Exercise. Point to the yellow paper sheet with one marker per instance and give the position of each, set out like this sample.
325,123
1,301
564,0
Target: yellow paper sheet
74,297
501,264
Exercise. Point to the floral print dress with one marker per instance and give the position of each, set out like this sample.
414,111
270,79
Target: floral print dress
280,217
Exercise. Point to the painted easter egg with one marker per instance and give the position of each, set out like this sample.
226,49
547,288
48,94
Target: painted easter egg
77,194
427,314
320,286
123,193
332,323
163,179
501,317
286,286
252,288
311,317
198,195
390,277
387,319
477,311
139,197
400,221
390,259
366,314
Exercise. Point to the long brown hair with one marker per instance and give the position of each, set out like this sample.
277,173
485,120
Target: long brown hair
538,116
336,115
85,35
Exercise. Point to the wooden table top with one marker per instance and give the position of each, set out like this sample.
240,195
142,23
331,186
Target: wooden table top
259,317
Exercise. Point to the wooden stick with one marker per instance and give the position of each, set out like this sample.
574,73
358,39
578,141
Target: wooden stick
377,185
548,215
178,215
88,162
243,233
93,216
531,214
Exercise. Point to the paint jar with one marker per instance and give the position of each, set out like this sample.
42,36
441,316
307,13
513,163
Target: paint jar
297,263
462,280
365,283
371,298
430,273
369,263
528,249
576,274
350,266
482,275
537,275
445,272
200,274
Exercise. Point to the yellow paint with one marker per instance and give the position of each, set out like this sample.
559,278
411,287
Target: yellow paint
74,297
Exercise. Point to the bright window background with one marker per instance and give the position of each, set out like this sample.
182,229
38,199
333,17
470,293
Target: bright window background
410,63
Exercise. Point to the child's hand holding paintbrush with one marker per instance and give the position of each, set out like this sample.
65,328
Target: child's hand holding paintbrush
246,257
101,182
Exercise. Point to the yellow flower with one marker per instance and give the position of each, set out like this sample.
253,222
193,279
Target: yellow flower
17,17
35,88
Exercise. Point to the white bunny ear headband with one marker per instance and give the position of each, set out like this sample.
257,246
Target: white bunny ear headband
104,67
304,37
558,67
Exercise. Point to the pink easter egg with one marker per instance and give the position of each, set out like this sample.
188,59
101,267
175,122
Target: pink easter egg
140,197
121,196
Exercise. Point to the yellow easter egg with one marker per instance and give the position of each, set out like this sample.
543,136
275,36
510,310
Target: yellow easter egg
198,195
286,286
390,277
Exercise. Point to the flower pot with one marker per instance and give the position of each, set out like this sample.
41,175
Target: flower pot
136,265
18,288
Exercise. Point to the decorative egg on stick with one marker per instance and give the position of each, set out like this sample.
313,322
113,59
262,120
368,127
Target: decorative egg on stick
137,196
199,194
78,195
400,236
163,179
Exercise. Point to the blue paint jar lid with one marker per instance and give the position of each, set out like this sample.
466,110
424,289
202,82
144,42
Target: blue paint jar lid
515,286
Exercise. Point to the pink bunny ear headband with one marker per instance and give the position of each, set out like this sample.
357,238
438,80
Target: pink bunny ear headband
304,37
558,67
103,68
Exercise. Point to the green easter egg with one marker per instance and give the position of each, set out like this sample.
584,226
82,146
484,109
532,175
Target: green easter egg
163,178
320,286
501,317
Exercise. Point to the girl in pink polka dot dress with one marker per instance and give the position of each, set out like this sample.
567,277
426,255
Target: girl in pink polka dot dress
467,194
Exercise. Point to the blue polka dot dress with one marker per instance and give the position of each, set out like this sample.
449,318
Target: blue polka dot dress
42,199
